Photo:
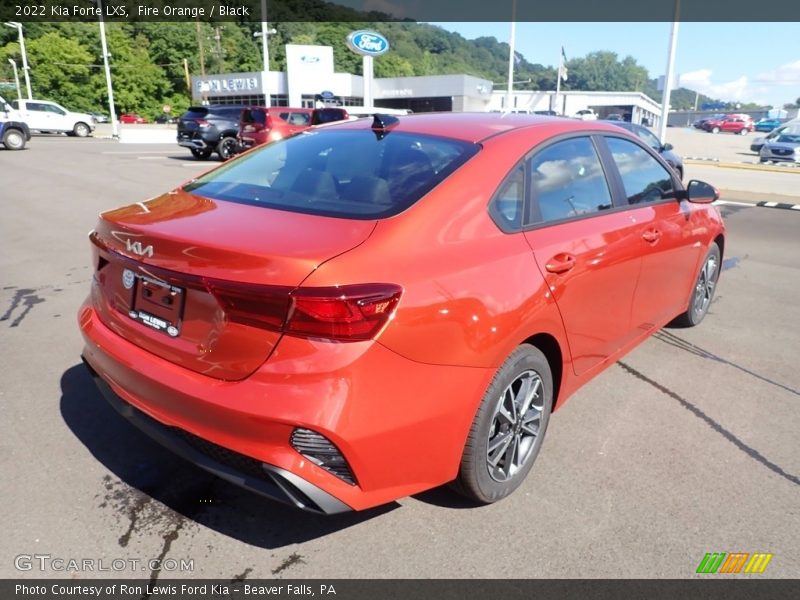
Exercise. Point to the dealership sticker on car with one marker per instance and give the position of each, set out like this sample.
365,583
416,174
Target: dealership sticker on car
156,303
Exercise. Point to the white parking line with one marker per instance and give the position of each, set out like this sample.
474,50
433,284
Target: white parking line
152,157
733,203
140,152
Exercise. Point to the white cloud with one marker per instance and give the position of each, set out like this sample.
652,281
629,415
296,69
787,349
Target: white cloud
788,74
769,87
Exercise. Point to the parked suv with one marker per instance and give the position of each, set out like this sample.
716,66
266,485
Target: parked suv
43,115
14,133
260,125
206,129
741,124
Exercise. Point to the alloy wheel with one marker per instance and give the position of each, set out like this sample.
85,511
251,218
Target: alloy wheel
704,290
515,426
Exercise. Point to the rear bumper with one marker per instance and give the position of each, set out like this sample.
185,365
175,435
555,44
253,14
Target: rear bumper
197,144
265,479
401,425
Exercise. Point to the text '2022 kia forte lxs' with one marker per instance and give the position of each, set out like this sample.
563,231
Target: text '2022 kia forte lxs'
382,306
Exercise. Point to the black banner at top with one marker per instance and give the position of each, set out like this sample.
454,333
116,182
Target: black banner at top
396,10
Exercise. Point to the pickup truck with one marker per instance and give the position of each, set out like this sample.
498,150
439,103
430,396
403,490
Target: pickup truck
14,133
45,116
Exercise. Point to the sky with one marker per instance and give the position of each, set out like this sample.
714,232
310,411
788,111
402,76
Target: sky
747,62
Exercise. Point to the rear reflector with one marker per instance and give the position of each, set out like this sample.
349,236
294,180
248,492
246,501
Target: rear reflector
322,452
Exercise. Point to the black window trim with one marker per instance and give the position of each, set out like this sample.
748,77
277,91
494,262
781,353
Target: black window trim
619,199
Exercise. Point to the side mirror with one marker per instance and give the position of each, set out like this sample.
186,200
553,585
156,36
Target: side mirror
666,147
701,192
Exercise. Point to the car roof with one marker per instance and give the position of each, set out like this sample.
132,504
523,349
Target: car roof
476,127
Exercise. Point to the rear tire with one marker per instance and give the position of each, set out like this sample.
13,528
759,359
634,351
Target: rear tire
744,132
201,154
508,429
227,148
13,139
703,290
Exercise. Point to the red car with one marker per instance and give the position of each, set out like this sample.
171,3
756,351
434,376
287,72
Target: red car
259,125
741,124
375,308
131,118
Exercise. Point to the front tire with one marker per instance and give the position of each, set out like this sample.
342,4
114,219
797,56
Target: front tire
81,130
715,130
508,429
226,148
703,290
13,139
744,132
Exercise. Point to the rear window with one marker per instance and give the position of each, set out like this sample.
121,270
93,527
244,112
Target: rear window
348,174
195,112
254,116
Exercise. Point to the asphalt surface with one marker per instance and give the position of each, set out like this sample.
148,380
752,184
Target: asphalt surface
689,445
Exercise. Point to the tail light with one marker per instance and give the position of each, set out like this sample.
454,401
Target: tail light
345,313
201,122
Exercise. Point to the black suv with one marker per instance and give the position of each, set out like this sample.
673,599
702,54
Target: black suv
205,129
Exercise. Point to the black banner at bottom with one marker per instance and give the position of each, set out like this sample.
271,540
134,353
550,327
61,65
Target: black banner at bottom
403,589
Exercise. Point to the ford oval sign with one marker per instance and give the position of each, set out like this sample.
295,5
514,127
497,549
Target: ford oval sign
367,43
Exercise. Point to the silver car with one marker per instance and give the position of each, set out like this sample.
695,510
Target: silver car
784,148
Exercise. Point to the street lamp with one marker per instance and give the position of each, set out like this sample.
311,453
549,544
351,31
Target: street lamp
16,77
25,68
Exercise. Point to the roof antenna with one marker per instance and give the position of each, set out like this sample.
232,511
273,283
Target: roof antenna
382,122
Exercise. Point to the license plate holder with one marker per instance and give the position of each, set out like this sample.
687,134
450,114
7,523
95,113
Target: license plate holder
158,304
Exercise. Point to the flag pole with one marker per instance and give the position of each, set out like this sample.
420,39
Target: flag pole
511,55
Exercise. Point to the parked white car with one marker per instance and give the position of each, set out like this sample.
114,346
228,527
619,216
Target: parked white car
587,114
43,115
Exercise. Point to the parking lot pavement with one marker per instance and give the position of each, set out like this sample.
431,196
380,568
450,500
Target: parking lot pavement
686,446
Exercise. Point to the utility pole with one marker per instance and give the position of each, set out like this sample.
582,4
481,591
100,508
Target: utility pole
107,68
203,88
16,77
265,51
25,68
186,74
662,130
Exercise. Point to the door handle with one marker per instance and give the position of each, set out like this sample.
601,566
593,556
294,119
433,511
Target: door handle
651,235
560,263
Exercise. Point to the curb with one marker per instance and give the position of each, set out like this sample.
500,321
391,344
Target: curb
784,205
746,166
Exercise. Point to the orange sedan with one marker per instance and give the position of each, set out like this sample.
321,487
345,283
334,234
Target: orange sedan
375,308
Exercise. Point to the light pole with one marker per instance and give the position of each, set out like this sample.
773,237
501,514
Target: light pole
111,110
25,69
264,35
16,77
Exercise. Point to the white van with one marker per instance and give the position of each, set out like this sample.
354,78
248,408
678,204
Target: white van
43,116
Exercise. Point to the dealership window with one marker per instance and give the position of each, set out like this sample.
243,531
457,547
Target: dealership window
567,180
643,177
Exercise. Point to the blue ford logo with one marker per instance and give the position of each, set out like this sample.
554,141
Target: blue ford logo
367,43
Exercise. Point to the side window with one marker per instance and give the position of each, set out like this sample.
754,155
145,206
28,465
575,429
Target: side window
567,180
54,109
506,206
36,106
643,177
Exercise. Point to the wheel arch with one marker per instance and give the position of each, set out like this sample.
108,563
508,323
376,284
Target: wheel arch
549,346
720,241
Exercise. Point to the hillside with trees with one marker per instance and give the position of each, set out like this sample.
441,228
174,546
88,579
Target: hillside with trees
147,60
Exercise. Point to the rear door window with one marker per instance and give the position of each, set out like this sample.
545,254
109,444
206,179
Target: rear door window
567,180
351,174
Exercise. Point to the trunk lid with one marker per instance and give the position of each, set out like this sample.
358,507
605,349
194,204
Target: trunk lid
157,263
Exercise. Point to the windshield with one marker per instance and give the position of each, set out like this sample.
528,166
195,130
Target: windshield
351,174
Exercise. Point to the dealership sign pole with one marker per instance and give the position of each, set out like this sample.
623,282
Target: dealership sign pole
369,45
